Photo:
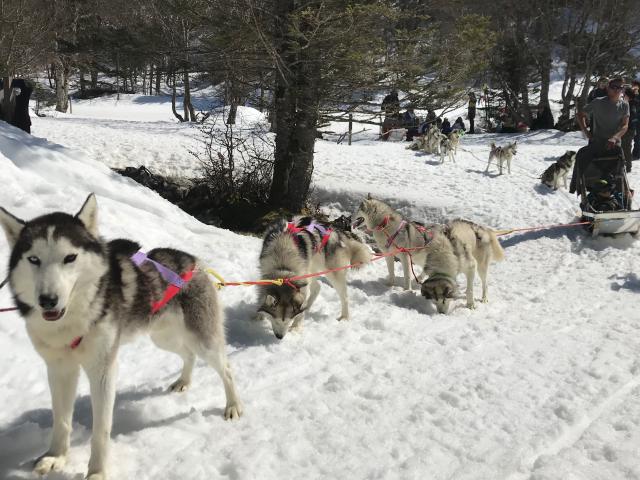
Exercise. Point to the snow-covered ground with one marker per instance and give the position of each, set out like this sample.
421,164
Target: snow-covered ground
541,383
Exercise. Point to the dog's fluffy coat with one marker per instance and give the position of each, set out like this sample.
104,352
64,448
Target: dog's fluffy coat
81,297
372,214
559,171
502,155
286,255
459,246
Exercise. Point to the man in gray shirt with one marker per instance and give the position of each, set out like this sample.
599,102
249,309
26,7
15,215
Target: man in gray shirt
610,120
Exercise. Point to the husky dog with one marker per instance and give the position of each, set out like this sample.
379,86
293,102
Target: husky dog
418,143
299,247
447,149
502,155
81,297
458,247
391,231
454,140
434,141
559,170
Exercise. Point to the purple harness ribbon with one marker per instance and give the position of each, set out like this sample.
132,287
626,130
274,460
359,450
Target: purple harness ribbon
170,276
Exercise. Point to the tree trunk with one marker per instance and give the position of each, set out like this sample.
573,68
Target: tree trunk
83,81
173,99
158,80
7,107
297,98
94,77
62,85
545,81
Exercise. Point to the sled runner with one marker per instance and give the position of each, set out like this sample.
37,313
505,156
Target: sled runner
606,200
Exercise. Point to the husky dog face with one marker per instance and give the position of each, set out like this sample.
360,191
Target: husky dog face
440,290
52,257
366,215
284,306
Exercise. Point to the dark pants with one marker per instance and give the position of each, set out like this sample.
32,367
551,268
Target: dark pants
626,147
635,154
471,115
596,148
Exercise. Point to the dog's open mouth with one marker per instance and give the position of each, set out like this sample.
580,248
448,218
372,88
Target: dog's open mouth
53,315
359,221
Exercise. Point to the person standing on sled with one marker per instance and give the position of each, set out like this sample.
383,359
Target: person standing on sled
610,121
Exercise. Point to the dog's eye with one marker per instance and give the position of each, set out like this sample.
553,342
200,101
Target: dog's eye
70,258
34,260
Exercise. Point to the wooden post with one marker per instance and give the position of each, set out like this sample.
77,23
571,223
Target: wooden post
350,126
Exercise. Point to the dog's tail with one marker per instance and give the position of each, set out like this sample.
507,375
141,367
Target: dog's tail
496,248
359,253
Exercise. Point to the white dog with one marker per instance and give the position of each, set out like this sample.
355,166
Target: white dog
300,247
391,231
81,297
502,155
458,247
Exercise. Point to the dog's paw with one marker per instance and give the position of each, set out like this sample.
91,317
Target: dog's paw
179,385
343,317
233,411
96,476
471,306
485,300
390,281
46,464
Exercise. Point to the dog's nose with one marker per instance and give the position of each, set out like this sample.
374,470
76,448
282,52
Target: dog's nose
48,302
279,336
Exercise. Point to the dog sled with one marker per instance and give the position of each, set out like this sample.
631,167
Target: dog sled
606,199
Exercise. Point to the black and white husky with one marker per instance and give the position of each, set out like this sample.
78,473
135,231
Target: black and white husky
298,247
391,231
81,297
458,247
559,171
502,155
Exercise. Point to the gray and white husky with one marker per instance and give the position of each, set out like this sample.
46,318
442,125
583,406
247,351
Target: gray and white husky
458,247
299,247
81,297
391,231
502,155
559,171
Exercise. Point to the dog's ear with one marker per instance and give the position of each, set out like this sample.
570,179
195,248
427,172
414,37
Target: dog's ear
11,225
88,214
300,283
270,301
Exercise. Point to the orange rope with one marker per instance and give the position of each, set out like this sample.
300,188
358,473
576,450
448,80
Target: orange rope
377,256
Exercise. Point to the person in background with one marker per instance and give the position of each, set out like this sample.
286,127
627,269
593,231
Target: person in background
631,98
391,108
610,117
446,127
391,105
600,91
471,111
410,122
544,118
458,125
21,117
635,154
